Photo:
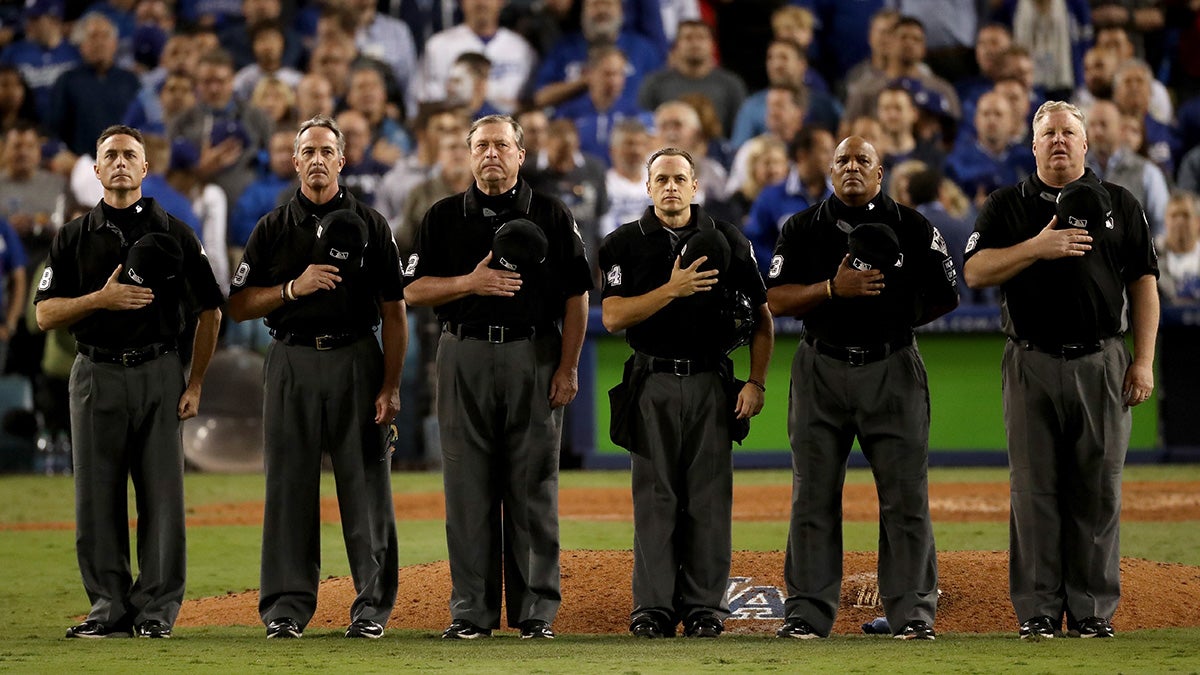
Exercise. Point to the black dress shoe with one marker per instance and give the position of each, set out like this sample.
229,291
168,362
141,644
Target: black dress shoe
153,629
92,629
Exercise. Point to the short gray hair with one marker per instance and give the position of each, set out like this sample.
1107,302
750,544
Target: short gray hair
325,122
518,132
1049,107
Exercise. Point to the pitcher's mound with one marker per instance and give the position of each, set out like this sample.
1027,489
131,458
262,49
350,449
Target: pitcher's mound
596,595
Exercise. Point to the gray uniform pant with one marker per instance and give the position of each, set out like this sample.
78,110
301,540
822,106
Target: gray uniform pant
885,404
125,424
500,443
314,402
1068,432
682,498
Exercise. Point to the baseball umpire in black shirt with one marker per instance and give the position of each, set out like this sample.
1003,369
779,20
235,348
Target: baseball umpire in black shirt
324,271
125,279
504,268
1076,269
669,282
862,271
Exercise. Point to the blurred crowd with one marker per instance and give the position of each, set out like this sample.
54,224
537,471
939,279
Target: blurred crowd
758,91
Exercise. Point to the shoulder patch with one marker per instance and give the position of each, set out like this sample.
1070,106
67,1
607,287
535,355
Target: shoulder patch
972,242
47,278
239,277
938,243
776,266
614,276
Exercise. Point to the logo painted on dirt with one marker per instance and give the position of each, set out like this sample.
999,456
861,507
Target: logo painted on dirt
747,601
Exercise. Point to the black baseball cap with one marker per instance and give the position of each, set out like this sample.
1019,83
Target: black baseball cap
1083,203
710,243
873,246
153,261
518,246
341,240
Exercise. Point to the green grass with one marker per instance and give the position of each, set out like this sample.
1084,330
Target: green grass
42,594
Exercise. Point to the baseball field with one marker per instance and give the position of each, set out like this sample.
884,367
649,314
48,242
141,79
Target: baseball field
1158,622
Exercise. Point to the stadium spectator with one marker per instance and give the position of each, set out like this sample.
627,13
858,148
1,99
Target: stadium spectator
951,27
433,121
1115,39
1189,171
362,173
993,158
1179,257
575,177
1131,93
16,101
897,114
766,164
467,84
368,95
1115,162
842,38
228,132
273,186
1020,101
787,66
314,96
925,190
1099,67
451,176
512,58
785,117
1056,35
13,287
560,76
331,58
625,181
692,68
155,185
807,183
209,203
796,25
898,183
44,54
276,101
30,196
990,43
595,112
235,36
385,39
266,40
678,126
907,61
881,43
145,112
94,94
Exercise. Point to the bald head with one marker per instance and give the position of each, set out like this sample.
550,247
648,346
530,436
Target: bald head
857,172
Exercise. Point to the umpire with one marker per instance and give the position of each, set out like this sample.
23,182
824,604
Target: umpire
1069,254
862,271
324,271
125,278
669,280
513,324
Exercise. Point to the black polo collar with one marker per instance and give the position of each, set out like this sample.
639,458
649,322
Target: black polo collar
156,216
882,208
1034,186
297,214
524,199
649,223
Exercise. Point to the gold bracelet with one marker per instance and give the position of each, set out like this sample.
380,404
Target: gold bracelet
829,288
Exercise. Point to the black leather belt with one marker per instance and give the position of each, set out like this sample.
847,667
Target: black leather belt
681,367
493,334
1068,351
861,355
321,343
125,357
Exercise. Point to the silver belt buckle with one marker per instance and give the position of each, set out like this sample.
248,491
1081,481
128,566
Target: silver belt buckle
682,367
495,334
856,356
323,343
127,359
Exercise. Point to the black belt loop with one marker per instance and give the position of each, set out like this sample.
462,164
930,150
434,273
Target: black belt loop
679,367
860,355
1066,351
125,357
321,343
488,333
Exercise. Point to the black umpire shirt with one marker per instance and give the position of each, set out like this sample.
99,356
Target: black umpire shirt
281,248
456,234
811,246
1069,300
87,250
638,257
